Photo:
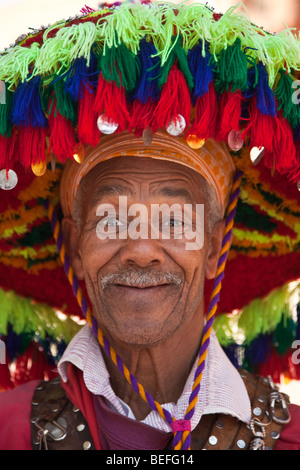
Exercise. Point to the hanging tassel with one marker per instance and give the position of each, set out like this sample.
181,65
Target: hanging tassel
274,367
111,99
32,365
65,104
175,99
231,80
147,92
178,55
230,111
231,68
7,147
27,107
88,132
201,66
142,117
205,122
261,128
284,93
5,379
258,351
31,145
81,74
5,111
276,136
147,85
62,137
285,156
262,113
3,151
205,97
119,65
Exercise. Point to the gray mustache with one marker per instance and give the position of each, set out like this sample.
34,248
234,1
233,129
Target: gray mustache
134,278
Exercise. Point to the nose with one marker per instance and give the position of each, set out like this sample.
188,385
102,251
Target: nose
142,253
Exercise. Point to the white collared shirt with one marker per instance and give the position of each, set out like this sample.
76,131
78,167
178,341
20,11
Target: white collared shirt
222,389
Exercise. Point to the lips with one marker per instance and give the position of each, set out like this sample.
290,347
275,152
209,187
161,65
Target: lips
140,291
142,286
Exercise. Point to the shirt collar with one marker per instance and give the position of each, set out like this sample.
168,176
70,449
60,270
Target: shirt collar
222,389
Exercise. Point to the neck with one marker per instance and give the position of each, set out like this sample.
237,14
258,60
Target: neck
162,369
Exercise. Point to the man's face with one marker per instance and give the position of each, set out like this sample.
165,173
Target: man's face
142,290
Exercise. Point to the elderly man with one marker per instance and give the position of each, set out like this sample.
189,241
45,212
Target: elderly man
144,226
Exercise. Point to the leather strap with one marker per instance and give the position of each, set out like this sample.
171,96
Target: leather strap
228,433
57,425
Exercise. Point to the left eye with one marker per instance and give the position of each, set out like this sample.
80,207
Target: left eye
173,223
111,222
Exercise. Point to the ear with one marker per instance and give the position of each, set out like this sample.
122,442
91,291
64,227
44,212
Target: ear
214,249
71,240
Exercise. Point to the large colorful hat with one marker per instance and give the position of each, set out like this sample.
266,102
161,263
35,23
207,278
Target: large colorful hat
149,73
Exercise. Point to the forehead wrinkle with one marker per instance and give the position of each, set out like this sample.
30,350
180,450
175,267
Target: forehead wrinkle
113,189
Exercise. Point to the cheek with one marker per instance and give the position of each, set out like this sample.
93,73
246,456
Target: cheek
96,253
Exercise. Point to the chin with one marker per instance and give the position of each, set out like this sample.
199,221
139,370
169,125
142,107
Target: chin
140,336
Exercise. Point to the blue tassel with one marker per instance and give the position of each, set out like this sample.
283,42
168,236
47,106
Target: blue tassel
297,133
252,78
201,69
81,74
147,86
15,343
27,109
259,350
265,100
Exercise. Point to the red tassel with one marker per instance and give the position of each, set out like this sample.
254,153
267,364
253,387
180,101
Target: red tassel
5,380
142,117
62,136
31,145
275,135
284,148
261,128
175,99
3,151
274,367
294,175
32,365
230,109
111,99
88,132
204,126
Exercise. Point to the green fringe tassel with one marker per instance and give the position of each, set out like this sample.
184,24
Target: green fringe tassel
120,65
64,102
284,93
231,68
5,110
176,52
28,317
273,314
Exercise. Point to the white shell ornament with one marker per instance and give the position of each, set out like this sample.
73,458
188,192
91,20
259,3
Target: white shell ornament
176,125
106,125
298,185
235,140
256,154
8,180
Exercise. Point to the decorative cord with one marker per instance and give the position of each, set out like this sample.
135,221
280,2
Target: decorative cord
180,428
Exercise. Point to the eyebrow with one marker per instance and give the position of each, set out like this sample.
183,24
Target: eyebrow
181,193
110,190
